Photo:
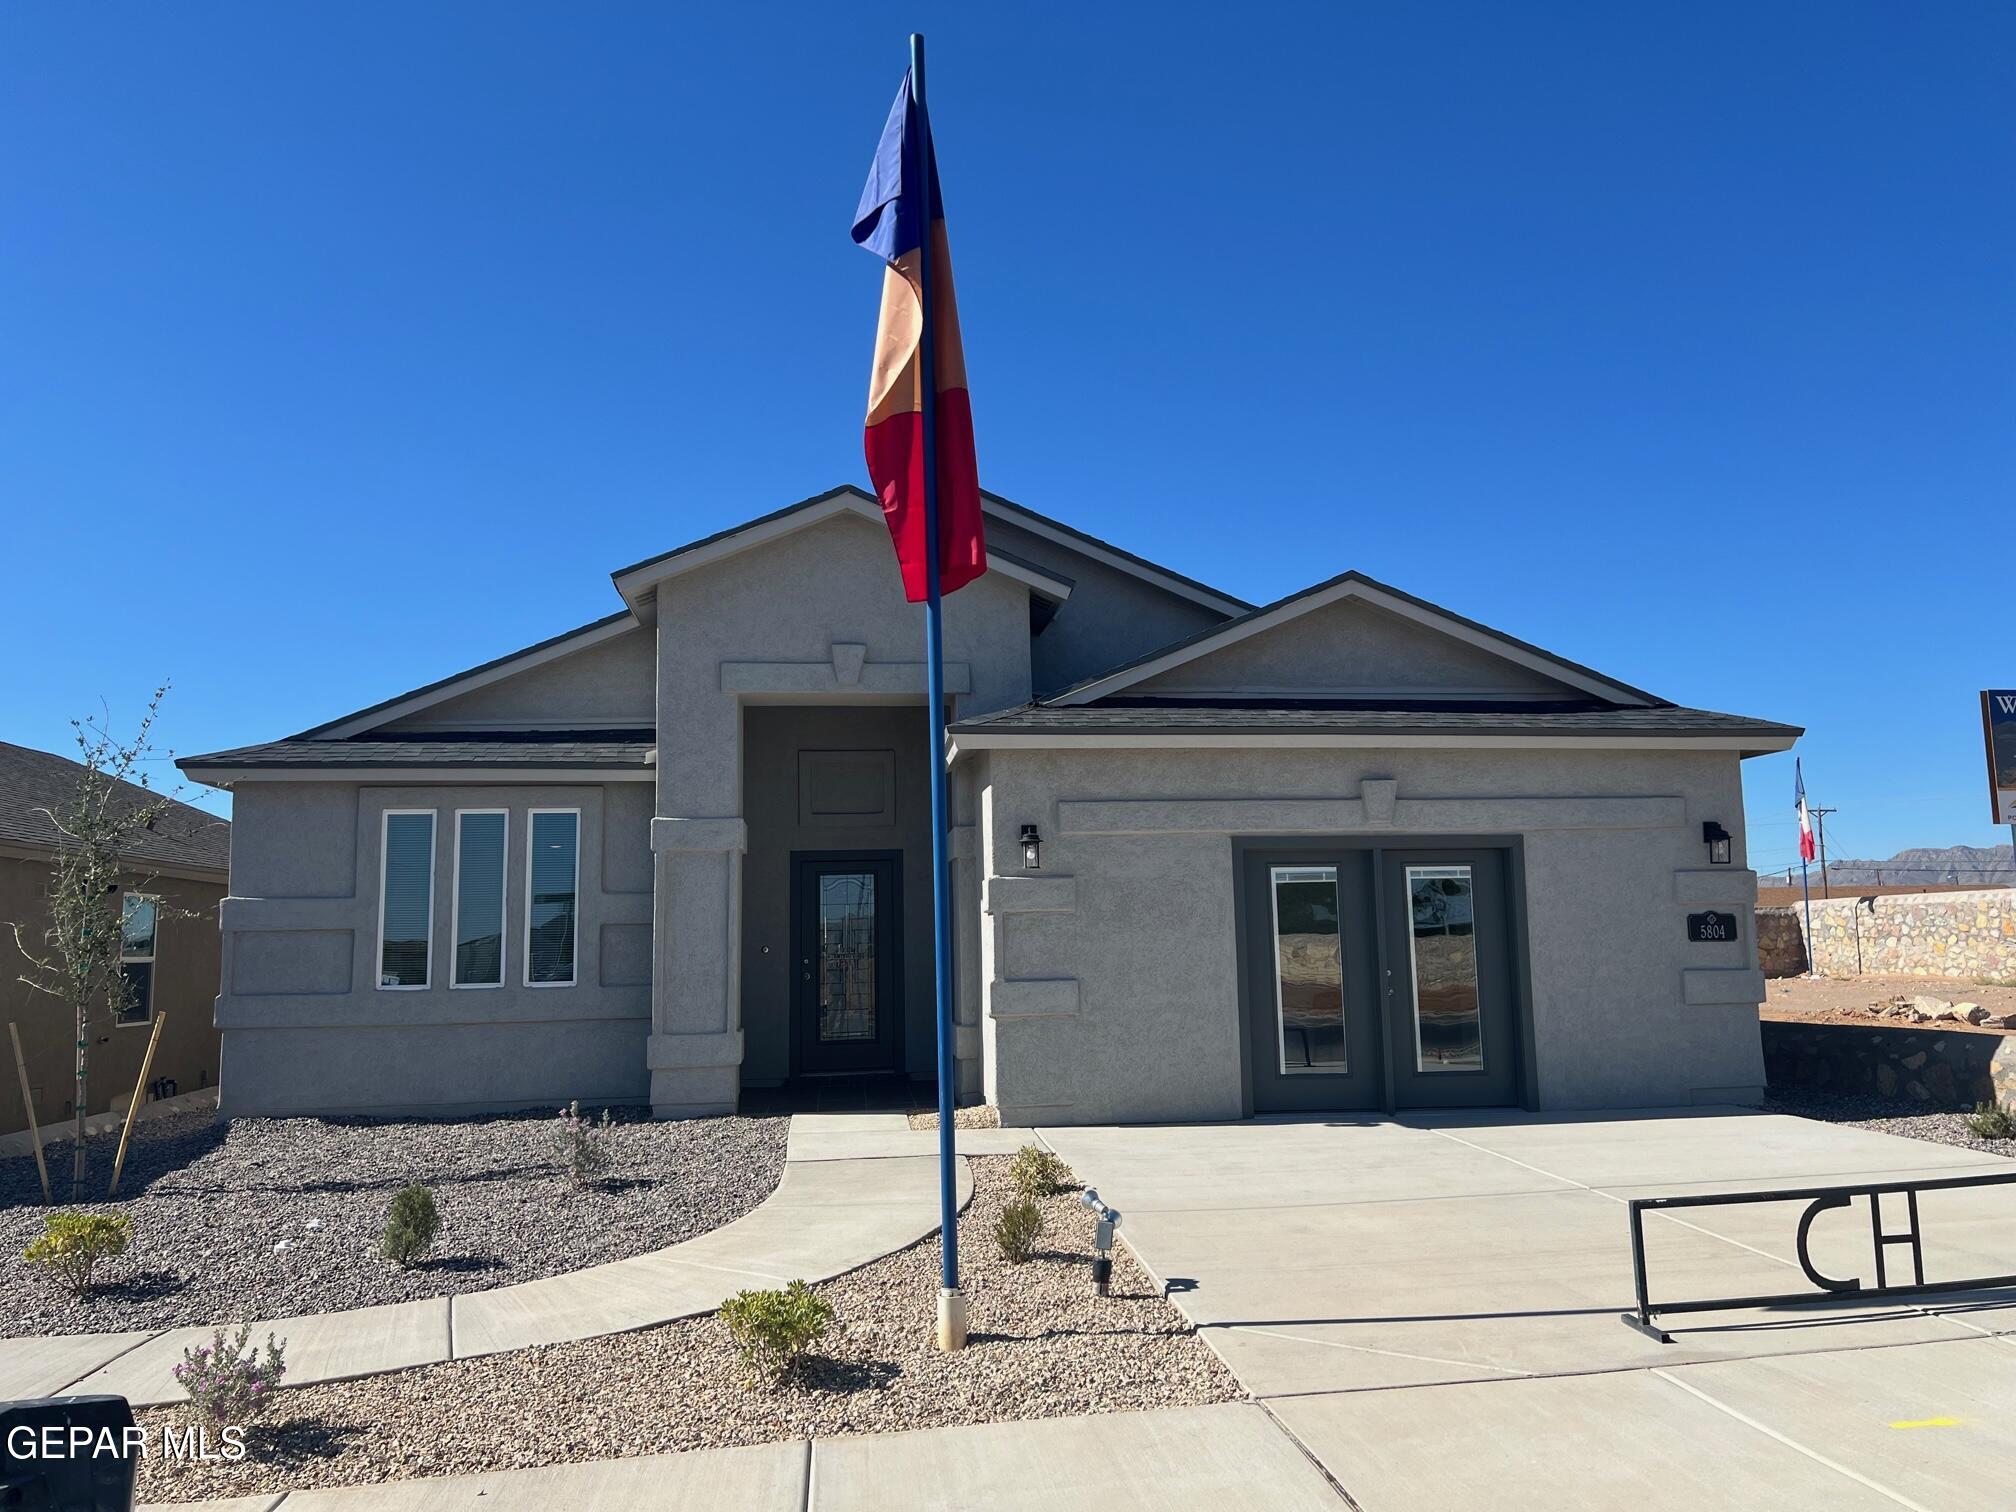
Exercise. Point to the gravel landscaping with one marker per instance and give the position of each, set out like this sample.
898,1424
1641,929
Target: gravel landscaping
1884,1117
273,1217
1042,1345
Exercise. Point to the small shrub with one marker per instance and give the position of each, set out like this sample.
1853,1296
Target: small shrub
411,1225
71,1245
229,1383
581,1146
1017,1230
773,1329
1038,1173
1991,1121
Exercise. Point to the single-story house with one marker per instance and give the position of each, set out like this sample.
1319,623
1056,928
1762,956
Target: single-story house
168,943
1344,850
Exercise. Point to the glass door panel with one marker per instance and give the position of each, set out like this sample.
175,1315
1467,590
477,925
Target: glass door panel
846,957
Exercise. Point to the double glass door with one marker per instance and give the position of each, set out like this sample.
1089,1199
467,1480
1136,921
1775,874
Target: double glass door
1380,978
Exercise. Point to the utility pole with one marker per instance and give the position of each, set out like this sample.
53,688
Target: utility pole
1820,835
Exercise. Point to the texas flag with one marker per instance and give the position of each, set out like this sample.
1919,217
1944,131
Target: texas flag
1805,819
897,220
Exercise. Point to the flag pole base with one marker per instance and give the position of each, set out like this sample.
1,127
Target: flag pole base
951,1320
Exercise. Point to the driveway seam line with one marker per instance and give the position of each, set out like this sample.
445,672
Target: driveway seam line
1308,1454
65,1389
1789,1442
1394,1354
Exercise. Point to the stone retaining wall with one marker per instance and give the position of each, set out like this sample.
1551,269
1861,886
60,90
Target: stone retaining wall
1781,943
1970,935
1927,1068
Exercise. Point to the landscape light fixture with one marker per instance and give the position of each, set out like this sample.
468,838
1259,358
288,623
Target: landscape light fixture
1032,849
1717,841
1102,1241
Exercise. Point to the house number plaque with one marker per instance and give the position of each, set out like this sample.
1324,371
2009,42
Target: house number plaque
1706,927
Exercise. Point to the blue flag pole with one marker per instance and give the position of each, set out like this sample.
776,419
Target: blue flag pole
951,1305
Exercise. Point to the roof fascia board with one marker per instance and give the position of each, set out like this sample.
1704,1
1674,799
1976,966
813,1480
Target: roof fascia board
1353,587
1062,535
478,677
976,740
228,776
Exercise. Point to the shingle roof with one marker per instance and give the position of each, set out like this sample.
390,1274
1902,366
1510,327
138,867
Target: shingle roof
34,782
1359,717
615,749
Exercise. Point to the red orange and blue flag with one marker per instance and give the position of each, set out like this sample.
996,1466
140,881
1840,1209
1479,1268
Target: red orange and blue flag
898,219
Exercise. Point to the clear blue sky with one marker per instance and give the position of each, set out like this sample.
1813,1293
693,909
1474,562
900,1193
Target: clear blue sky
344,346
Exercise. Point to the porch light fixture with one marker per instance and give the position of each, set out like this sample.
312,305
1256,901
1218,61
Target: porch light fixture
1717,840
1032,849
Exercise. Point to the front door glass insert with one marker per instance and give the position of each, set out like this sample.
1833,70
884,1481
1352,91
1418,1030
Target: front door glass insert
1448,1029
846,964
1308,970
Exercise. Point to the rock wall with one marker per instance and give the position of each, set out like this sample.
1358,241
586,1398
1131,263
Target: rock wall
1781,943
1970,935
1926,1068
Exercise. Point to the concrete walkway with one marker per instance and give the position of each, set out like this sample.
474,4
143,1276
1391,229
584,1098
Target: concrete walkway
1227,1458
1431,1307
855,1187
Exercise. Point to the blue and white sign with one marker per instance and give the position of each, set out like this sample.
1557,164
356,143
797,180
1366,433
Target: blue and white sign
1998,727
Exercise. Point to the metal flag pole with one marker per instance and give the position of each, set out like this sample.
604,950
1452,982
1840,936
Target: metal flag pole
951,1305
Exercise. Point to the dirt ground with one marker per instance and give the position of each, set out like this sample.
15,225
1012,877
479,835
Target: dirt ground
1847,1000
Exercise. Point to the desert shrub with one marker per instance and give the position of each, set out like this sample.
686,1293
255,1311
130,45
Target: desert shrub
1038,1173
228,1382
410,1225
773,1329
71,1245
1017,1230
580,1145
1991,1121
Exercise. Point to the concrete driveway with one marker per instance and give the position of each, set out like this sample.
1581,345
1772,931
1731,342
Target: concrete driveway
1431,1306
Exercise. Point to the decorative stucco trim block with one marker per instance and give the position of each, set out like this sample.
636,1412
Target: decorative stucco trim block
1716,884
699,835
1379,795
689,1052
962,844
823,677
1049,998
242,914
1023,895
1259,816
1513,815
1705,986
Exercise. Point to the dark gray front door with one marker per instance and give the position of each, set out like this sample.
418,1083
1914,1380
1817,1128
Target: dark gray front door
1379,979
847,1004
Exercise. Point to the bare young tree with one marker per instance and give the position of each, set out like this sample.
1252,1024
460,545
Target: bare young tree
80,942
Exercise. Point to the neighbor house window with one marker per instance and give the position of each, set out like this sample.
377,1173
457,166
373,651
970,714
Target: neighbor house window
552,886
138,919
406,900
479,897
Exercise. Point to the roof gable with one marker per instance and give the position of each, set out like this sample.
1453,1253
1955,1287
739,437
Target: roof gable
1353,637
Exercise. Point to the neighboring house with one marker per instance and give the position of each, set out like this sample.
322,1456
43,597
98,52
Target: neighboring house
1349,850
169,912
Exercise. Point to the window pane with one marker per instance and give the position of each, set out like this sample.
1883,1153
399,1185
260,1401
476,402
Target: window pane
1308,969
136,927
550,903
1448,1033
846,957
408,900
479,900
140,992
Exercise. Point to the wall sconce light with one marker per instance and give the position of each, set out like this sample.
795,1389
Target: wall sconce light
1717,840
1032,849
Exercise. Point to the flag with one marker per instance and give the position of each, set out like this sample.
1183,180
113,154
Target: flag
1805,820
897,221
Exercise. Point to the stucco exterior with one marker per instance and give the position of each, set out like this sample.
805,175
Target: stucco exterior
1109,983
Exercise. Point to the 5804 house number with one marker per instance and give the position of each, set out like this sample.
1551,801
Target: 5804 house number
1704,927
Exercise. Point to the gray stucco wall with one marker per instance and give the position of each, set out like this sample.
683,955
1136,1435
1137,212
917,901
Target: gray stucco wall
1346,646
1111,617
1111,977
773,739
305,1030
611,682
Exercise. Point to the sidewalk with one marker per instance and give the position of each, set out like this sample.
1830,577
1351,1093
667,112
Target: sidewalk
1228,1458
855,1187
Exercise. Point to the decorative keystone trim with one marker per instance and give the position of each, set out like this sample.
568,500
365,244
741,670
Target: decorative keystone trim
1378,795
1052,998
848,659
1715,884
1027,895
699,835
691,1052
1707,986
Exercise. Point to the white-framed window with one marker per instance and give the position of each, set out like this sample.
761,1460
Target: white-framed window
139,923
552,896
406,900
481,839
